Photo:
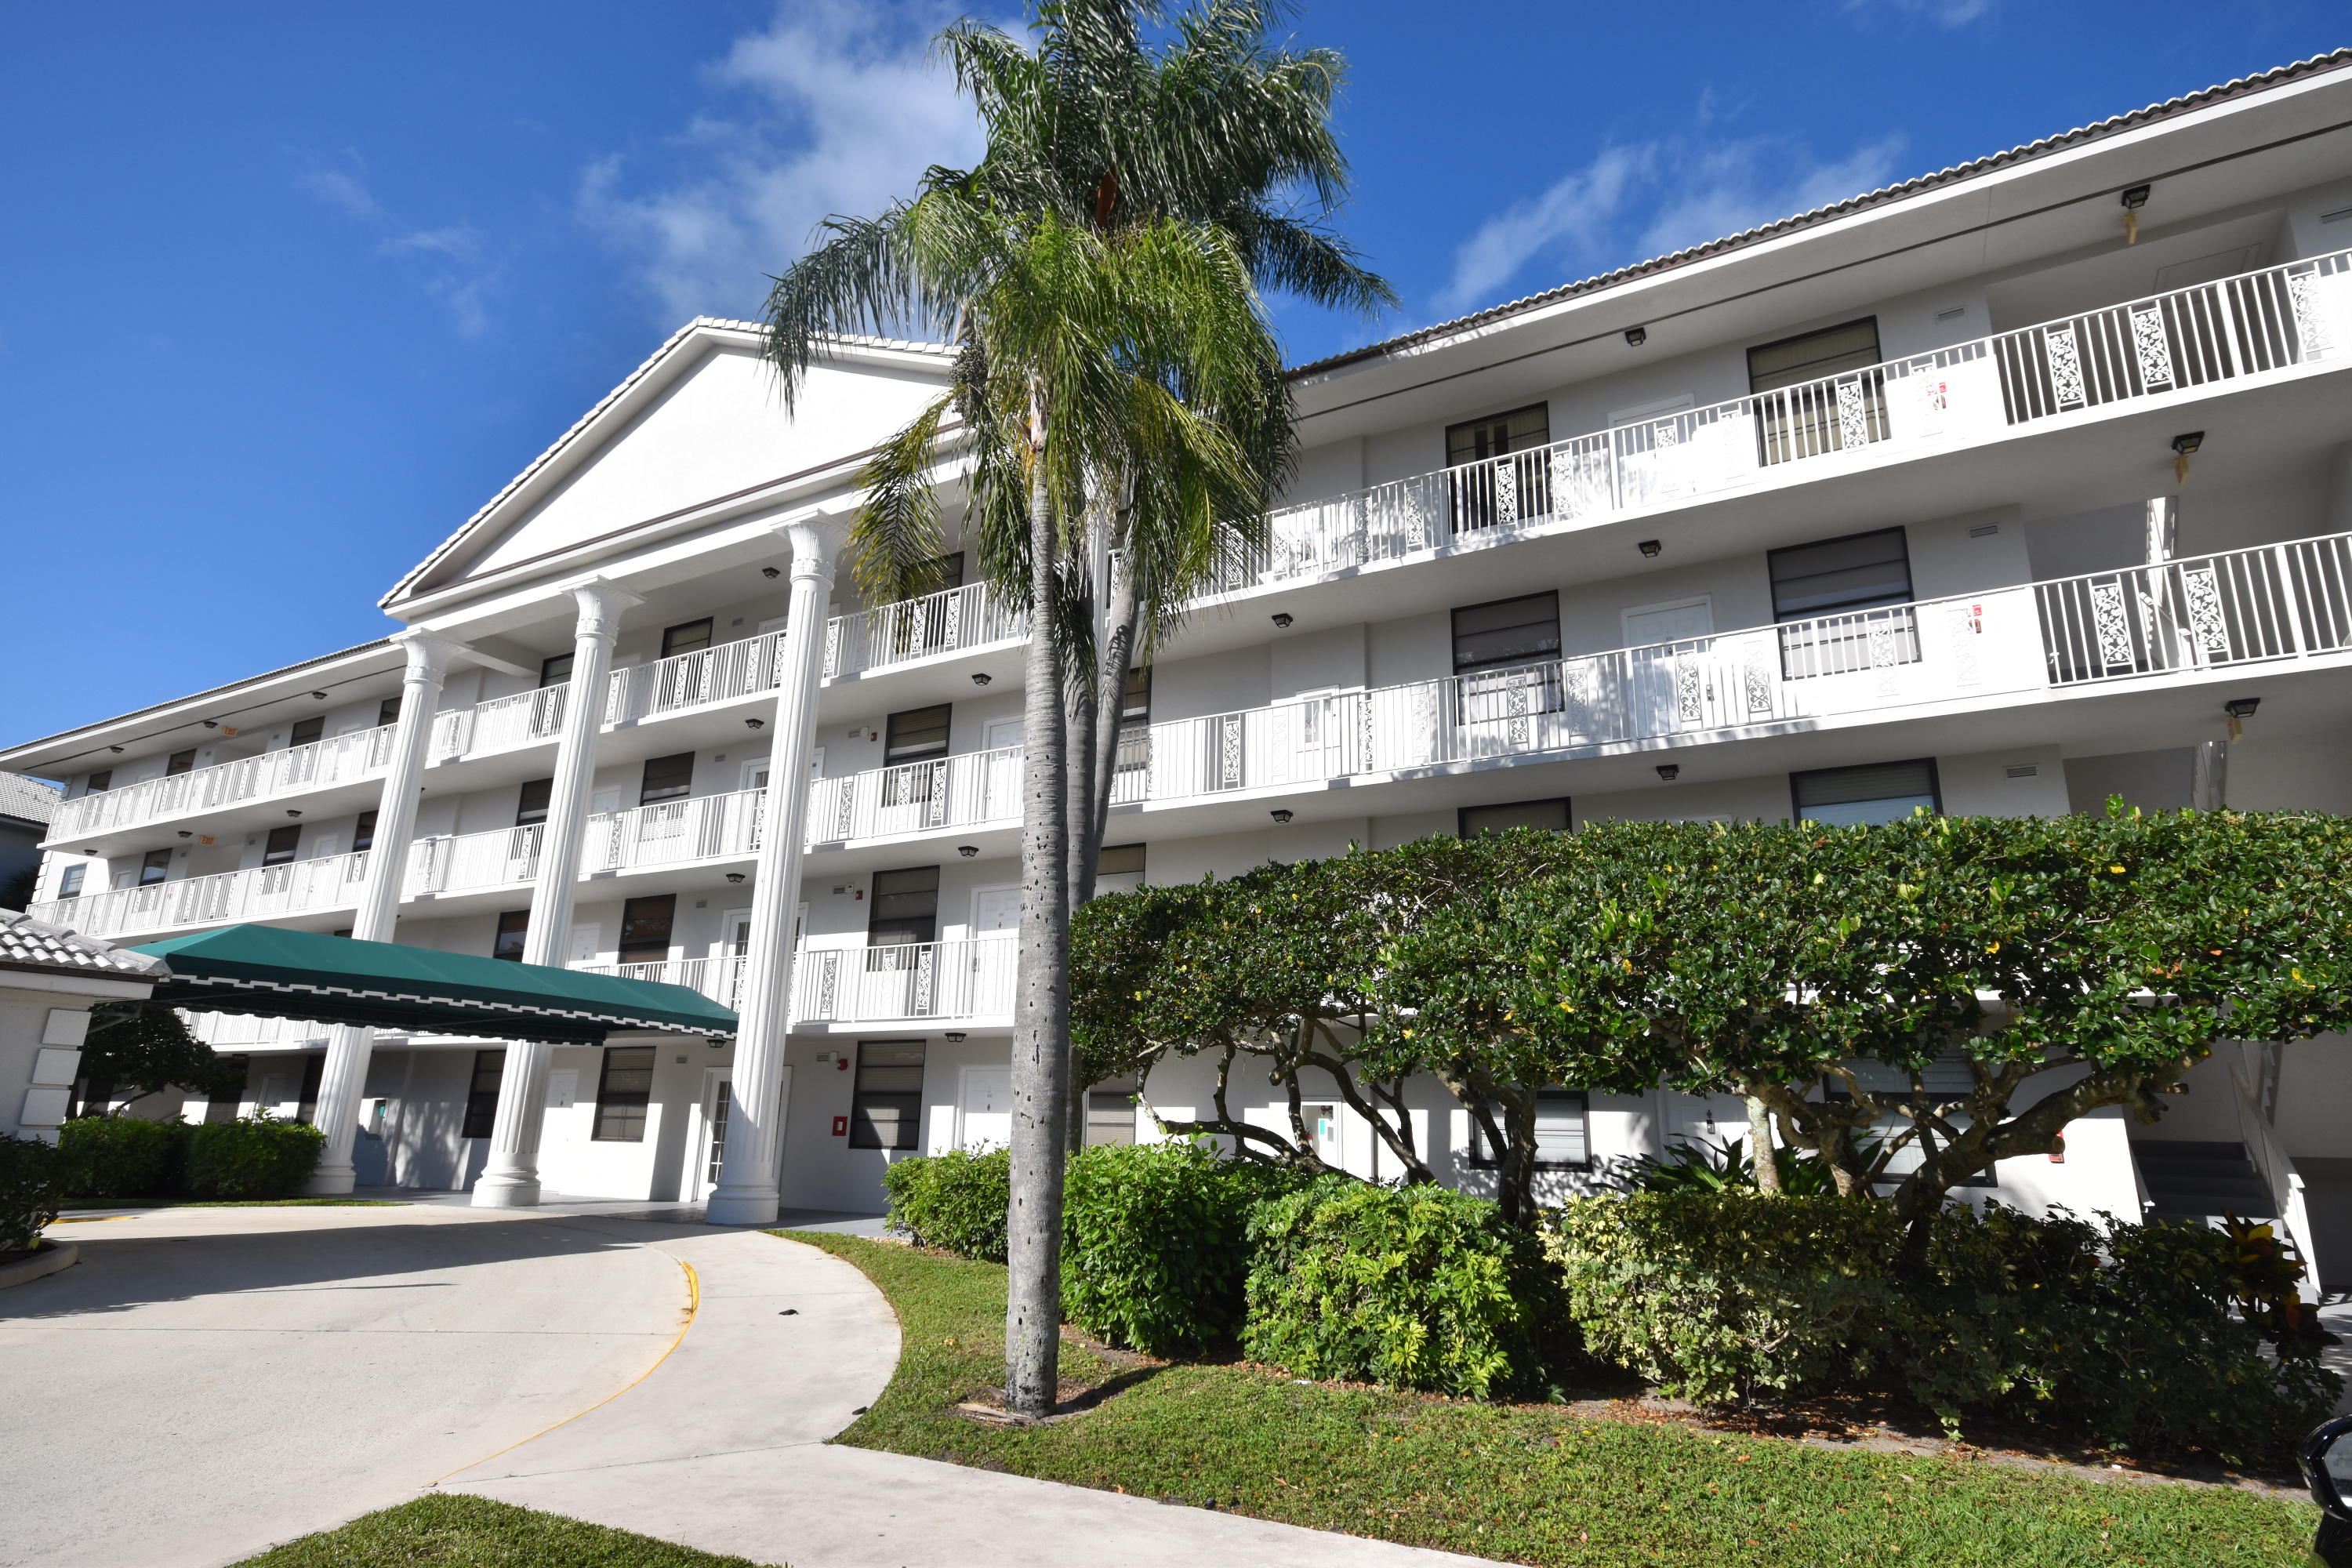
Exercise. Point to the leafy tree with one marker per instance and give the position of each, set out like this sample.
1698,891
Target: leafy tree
138,1049
1117,391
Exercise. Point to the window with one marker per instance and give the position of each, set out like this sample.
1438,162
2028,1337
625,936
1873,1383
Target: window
1477,819
1810,356
1119,868
482,1093
1883,791
364,832
554,670
1500,492
645,927
387,711
156,865
905,907
942,573
1506,632
306,1105
886,1109
1110,1114
692,636
1562,1141
667,778
180,762
530,805
514,926
100,782
1945,1079
624,1090
916,735
305,731
1853,596
69,882
1134,704
279,848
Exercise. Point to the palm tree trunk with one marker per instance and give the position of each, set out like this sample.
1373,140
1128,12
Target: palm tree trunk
1041,1010
1111,702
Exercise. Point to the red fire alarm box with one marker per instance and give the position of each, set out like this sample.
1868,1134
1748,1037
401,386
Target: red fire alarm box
841,1127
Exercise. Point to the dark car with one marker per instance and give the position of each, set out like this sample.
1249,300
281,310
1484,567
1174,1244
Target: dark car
2328,1467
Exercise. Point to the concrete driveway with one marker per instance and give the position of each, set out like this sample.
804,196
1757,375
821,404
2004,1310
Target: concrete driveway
207,1382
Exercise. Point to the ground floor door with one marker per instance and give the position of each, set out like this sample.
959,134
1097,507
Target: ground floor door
984,1118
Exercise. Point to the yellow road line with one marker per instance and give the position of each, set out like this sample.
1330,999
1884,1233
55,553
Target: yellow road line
693,1306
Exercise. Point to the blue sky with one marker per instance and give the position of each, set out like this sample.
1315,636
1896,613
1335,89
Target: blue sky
289,291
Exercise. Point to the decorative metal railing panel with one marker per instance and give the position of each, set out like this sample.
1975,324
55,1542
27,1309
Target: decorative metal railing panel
946,622
916,797
227,897
362,753
526,718
464,862
721,978
971,979
672,685
674,832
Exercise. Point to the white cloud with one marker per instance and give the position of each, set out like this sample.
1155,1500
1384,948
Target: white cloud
1943,13
834,108
1634,201
452,263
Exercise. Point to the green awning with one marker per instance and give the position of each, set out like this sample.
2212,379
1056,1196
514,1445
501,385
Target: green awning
339,980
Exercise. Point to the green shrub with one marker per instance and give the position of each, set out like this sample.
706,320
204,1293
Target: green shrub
1715,1296
1413,1288
256,1156
31,1178
1155,1242
955,1202
123,1156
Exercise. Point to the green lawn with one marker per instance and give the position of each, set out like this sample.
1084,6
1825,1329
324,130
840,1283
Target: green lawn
1524,1484
453,1532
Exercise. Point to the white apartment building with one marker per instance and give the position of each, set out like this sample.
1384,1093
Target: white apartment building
2001,491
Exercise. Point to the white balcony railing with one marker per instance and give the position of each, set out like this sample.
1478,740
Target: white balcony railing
719,978
946,622
917,797
498,725
971,979
673,832
466,862
2242,327
360,755
262,892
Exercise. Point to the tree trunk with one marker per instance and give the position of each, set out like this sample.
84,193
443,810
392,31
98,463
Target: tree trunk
1041,1015
1759,1140
1110,703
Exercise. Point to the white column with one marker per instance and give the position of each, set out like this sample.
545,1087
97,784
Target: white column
510,1178
345,1074
746,1193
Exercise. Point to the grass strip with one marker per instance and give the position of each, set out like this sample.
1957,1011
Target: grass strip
453,1530
1524,1484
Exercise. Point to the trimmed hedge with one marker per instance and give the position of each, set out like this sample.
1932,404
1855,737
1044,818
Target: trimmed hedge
123,1156
957,1202
256,1156
31,1181
1156,1242
1417,1287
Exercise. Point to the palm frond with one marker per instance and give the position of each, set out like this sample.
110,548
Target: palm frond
894,542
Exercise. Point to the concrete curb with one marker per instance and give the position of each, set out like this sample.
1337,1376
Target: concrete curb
54,1256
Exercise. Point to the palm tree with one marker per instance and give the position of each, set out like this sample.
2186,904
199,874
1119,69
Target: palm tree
1117,391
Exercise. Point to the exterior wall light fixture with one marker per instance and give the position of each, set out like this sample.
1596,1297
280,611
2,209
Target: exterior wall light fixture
2134,199
1649,549
734,876
755,723
187,833
980,678
1281,814
1636,336
955,1037
2240,710
2185,446
1282,619
114,748
770,573
1670,772
293,813
212,723
968,850
319,696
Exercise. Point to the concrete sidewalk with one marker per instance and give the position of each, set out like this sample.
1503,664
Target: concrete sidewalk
723,1449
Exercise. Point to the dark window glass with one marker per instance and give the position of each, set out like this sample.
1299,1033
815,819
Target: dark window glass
364,832
1498,434
1120,860
305,731
905,907
69,882
180,762
279,848
555,669
1859,572
624,1090
1881,791
514,927
667,778
1134,705
387,711
693,637
482,1093
886,1109
1506,632
943,571
1110,1115
157,865
530,806
645,927
306,1108
916,735
1552,814
1810,356
1563,1140
100,782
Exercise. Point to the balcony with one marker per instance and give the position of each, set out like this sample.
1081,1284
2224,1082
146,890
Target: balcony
969,981
259,893
2240,331
342,760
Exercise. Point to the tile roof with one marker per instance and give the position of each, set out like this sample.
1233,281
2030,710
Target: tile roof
28,799
2317,65
29,943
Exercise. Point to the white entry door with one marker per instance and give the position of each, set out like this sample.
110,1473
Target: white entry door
1656,709
984,1119
706,1148
995,909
